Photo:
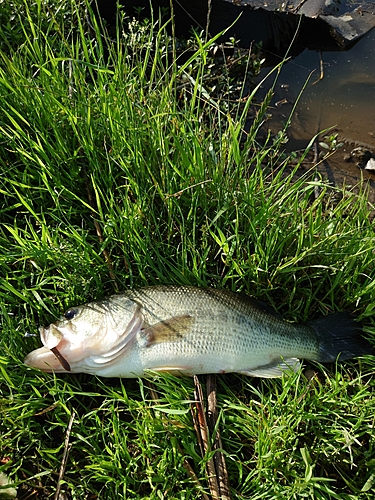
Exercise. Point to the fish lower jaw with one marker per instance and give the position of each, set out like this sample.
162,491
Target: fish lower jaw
50,361
44,359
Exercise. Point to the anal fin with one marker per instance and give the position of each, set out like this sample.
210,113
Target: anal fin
275,369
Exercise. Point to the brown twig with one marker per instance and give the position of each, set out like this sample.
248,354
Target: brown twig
321,65
192,474
297,7
209,8
219,459
201,429
187,466
153,393
65,456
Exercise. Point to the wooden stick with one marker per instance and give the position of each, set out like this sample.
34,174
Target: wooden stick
65,456
321,65
219,459
192,474
202,431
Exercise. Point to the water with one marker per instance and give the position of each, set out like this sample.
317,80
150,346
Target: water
344,99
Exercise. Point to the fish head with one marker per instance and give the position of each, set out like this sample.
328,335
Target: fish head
93,329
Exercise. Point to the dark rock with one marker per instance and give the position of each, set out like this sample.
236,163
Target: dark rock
318,24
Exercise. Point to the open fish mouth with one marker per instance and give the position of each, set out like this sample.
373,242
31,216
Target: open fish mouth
49,354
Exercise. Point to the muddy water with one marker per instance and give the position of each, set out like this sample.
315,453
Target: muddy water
344,98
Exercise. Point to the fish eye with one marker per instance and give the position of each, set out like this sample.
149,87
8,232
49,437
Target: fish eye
70,313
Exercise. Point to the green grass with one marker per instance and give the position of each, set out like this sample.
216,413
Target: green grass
179,198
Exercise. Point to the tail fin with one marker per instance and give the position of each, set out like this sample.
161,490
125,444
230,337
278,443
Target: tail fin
339,335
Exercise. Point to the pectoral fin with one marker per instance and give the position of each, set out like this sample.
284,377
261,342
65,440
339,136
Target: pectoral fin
274,370
170,330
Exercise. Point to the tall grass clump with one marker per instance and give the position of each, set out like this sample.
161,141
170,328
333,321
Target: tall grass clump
120,167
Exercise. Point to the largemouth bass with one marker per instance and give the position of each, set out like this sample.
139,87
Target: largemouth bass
187,330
